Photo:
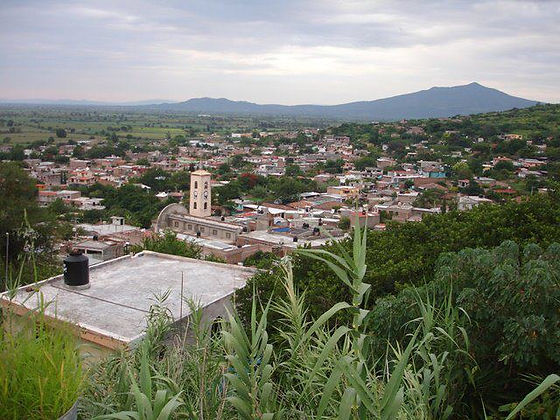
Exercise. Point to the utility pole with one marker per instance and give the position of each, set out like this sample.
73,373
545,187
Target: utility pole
7,248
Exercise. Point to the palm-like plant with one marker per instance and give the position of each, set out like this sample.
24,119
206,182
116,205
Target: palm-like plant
147,404
250,375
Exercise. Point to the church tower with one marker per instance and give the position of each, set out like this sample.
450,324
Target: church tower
200,197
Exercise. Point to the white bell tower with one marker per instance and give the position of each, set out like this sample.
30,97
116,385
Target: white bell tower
200,196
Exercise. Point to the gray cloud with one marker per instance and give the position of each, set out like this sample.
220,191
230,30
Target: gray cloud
322,51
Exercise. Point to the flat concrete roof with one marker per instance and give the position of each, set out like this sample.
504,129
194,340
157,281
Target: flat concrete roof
286,240
209,243
205,221
117,303
107,228
100,245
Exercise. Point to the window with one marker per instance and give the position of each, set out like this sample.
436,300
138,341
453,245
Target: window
189,227
194,205
176,224
214,232
206,185
195,185
205,206
228,235
202,228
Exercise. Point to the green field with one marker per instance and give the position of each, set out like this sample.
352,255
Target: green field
25,124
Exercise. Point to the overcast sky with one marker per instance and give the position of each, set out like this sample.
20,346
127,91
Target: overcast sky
288,52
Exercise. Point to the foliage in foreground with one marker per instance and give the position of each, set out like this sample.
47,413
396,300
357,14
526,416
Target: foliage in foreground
41,373
511,295
304,367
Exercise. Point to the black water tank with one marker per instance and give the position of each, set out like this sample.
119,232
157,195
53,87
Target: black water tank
76,270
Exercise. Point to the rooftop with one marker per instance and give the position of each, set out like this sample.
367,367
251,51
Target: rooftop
106,228
114,308
286,240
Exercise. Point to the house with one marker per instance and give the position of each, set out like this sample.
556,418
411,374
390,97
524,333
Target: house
385,162
99,251
467,202
344,191
463,183
46,197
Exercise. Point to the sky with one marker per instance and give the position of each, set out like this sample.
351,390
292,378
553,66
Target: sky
287,52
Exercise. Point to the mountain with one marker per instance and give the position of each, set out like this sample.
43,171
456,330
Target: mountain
435,102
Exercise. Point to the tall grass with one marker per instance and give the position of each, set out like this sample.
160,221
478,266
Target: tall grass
41,374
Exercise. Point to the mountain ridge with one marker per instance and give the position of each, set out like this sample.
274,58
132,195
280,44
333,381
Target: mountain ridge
435,102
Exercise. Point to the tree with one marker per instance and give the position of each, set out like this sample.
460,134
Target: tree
133,202
334,166
143,162
17,153
157,179
60,133
223,170
293,170
474,188
462,170
429,198
237,161
169,244
510,294
344,223
261,260
28,226
364,162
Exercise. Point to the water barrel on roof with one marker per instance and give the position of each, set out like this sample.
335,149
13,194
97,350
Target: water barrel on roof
76,270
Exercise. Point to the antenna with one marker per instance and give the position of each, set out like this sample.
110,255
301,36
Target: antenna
181,307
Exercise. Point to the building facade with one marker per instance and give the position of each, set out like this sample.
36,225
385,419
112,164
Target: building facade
200,195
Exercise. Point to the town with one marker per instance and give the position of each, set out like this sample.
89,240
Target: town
237,193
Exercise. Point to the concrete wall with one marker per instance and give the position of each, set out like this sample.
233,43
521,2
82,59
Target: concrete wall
232,256
207,231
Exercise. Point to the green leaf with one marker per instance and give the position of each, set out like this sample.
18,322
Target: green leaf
543,386
332,384
345,408
393,392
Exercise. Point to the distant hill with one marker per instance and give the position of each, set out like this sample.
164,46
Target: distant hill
435,102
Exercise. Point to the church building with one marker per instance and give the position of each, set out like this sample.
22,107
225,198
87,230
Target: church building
197,220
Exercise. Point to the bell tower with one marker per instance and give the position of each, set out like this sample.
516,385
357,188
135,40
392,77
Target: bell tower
200,195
